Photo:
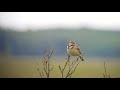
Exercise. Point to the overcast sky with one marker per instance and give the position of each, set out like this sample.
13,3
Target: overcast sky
30,20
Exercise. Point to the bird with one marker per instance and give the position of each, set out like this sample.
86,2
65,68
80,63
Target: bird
74,50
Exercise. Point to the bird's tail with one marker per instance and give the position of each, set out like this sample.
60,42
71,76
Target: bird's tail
81,58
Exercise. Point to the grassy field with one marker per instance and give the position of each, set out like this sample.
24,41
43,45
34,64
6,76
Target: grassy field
25,67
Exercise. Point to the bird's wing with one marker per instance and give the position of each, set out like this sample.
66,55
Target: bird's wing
78,49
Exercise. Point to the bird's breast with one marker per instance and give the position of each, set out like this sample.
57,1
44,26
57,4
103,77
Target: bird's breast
73,52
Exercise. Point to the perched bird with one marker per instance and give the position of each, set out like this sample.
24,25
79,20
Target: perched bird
74,50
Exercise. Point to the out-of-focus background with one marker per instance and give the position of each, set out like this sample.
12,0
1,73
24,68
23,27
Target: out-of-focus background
24,36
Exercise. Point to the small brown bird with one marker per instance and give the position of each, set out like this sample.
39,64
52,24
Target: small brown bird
74,50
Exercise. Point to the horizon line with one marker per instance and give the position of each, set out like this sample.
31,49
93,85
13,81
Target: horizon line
59,28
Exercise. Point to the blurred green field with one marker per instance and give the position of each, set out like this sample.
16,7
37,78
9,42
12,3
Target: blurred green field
25,67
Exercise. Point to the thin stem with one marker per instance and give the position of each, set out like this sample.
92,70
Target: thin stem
71,72
74,69
105,70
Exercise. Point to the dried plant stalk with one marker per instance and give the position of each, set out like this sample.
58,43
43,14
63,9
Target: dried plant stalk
71,67
46,65
105,75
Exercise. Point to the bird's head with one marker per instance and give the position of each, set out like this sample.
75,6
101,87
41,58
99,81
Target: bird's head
71,43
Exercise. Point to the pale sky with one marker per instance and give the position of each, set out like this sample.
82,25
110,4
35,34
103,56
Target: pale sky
36,20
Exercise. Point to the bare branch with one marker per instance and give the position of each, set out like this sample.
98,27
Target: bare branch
46,64
73,64
71,72
51,68
65,65
39,72
51,53
71,67
60,68
75,68
105,75
105,69
45,72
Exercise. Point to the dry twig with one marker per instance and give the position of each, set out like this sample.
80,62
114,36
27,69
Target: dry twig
71,67
46,65
105,75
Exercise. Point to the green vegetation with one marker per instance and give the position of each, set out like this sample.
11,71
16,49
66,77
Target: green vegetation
25,67
21,51
92,42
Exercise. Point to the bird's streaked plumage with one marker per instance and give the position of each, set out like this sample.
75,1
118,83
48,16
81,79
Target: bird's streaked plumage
74,50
